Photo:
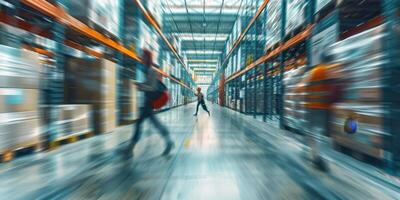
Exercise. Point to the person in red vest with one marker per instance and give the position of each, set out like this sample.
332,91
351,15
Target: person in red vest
150,87
322,89
200,101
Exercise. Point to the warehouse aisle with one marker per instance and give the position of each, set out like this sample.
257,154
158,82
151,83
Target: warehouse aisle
226,156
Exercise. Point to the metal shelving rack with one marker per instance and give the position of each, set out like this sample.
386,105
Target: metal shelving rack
314,22
58,27
391,89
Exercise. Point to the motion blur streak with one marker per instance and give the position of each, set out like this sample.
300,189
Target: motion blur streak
299,99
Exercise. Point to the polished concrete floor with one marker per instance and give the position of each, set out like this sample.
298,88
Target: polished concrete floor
225,156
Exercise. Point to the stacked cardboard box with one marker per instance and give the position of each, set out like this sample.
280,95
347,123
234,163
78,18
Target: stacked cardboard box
20,72
129,101
93,81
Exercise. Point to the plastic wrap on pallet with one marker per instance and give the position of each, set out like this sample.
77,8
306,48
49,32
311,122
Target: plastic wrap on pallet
20,75
19,68
104,13
69,119
322,40
294,111
295,14
19,129
274,24
321,4
362,60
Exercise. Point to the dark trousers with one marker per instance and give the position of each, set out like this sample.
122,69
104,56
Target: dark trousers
203,105
147,112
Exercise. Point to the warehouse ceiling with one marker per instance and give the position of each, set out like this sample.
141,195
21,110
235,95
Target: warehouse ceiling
202,26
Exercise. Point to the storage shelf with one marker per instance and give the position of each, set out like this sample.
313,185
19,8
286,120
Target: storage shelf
62,17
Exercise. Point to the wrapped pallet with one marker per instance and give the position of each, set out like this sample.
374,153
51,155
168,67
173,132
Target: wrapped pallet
293,100
362,60
295,14
20,74
369,136
274,23
93,81
104,13
320,4
70,119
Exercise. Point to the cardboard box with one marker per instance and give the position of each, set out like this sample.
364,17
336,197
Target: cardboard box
104,14
70,119
369,114
295,14
104,116
129,101
18,100
19,133
90,81
19,68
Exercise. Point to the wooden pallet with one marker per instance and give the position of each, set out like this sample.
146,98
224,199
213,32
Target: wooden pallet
358,155
21,150
128,122
69,139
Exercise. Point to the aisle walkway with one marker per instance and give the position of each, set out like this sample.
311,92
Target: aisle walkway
225,156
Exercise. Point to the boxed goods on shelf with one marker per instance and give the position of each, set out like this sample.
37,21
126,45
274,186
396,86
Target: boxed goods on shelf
70,119
129,102
105,117
274,23
18,100
353,13
362,60
19,129
325,33
295,14
20,75
19,68
293,100
93,81
104,14
369,137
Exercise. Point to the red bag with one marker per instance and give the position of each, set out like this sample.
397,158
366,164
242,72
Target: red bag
161,101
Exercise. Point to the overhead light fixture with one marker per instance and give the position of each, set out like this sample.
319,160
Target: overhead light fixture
201,37
203,61
204,69
198,65
202,52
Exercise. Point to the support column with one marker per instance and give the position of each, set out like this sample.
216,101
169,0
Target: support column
391,90
55,87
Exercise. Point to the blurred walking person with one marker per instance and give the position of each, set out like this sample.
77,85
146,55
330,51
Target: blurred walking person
151,87
322,89
200,101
